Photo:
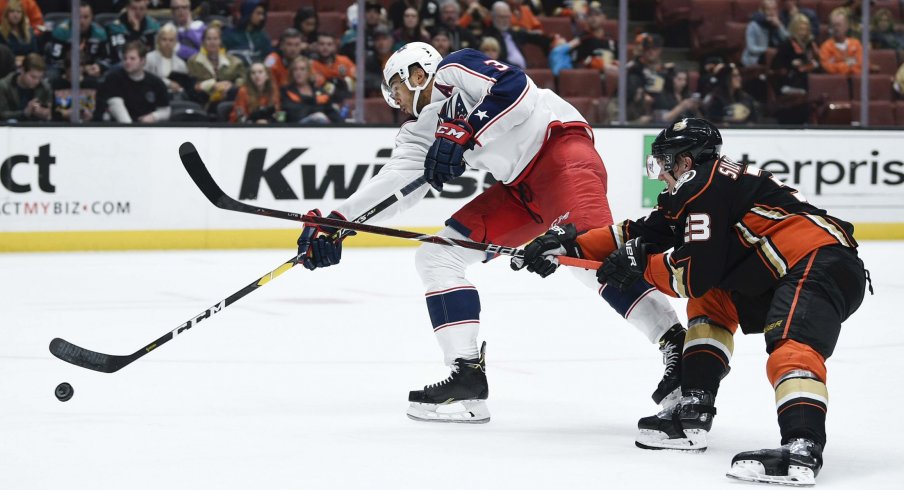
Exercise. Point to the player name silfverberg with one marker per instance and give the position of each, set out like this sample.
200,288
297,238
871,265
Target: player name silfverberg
65,208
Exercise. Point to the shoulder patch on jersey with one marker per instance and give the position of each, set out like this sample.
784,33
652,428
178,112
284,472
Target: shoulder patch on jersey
685,177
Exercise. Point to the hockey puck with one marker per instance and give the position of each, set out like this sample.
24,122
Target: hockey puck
63,392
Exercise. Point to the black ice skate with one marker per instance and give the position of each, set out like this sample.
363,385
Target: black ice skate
671,345
458,398
796,464
683,427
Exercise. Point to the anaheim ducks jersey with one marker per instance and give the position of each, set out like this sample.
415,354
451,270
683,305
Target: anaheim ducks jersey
510,116
729,225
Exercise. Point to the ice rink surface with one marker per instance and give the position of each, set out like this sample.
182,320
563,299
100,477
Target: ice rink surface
303,384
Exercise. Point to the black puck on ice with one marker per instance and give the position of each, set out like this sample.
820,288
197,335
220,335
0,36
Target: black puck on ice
63,392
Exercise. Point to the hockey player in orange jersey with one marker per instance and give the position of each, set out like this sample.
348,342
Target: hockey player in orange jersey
747,251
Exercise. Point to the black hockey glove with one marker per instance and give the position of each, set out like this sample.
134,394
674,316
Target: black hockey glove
539,255
445,160
321,246
624,266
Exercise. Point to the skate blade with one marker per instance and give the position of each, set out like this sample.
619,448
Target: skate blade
461,412
693,442
753,472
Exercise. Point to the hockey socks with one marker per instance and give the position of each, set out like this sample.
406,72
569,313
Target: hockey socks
707,354
455,315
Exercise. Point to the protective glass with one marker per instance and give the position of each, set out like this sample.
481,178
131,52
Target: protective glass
656,164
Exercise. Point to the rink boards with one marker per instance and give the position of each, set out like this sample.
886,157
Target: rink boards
125,188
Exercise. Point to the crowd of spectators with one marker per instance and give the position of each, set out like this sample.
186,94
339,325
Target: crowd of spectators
263,62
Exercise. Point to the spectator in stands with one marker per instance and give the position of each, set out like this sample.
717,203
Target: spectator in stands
95,48
490,47
676,100
428,11
728,103
796,58
884,35
258,100
217,74
215,7
7,61
449,15
373,18
248,37
411,30
130,94
373,66
31,10
792,9
441,40
16,32
560,54
841,54
133,25
764,31
511,42
61,108
304,101
595,48
523,18
25,95
645,69
308,24
290,46
638,110
331,66
189,30
476,18
165,63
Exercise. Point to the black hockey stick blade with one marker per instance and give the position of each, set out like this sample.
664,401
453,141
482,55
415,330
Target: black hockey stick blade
85,358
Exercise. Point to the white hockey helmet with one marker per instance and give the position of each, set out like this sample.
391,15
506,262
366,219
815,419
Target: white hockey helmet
419,53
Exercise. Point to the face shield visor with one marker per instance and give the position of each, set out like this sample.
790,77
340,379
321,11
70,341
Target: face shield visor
656,164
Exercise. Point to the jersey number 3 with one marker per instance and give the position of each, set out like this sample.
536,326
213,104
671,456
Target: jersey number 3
697,229
495,64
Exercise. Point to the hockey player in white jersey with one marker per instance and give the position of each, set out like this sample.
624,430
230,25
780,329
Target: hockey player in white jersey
475,111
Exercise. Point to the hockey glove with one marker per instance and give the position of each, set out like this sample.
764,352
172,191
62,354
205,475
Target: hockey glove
321,246
624,266
445,159
540,254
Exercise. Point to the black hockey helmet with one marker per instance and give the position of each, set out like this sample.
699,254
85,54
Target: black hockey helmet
694,136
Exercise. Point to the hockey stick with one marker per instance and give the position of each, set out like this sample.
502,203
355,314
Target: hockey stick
199,173
108,363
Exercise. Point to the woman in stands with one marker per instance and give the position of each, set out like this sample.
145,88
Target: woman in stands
258,100
794,60
303,101
163,61
308,24
675,101
728,103
884,35
217,74
411,29
16,33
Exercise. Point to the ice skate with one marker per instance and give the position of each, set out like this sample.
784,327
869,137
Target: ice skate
460,398
671,344
682,428
794,464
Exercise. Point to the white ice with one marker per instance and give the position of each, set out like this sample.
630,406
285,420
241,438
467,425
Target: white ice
303,383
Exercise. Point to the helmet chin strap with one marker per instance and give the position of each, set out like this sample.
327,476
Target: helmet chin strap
417,93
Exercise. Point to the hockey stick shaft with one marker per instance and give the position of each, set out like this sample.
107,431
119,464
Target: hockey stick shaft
108,363
195,167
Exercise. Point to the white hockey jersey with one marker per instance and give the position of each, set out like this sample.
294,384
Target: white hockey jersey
510,115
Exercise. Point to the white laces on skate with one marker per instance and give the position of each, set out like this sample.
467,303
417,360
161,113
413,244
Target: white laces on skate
670,356
445,381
